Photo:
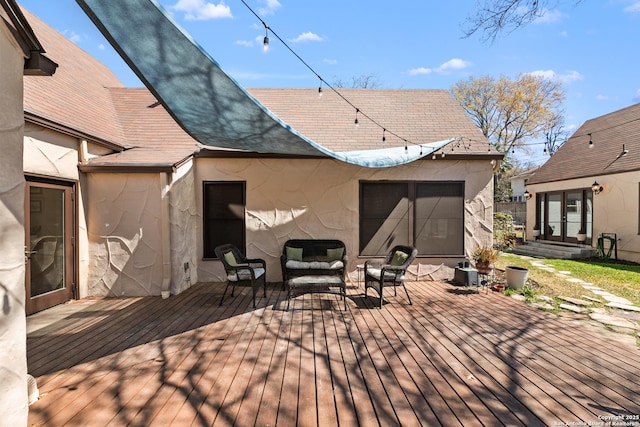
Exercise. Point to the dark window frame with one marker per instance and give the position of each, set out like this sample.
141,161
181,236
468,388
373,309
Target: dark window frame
225,216
412,194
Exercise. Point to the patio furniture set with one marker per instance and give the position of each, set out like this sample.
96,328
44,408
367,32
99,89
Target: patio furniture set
315,266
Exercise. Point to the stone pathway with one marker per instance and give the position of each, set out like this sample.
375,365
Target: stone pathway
621,316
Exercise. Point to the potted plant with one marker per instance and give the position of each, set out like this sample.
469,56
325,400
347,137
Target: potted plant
582,235
483,257
536,231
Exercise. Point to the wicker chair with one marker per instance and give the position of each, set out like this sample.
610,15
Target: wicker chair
390,271
242,271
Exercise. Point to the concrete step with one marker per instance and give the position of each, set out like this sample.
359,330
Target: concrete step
553,250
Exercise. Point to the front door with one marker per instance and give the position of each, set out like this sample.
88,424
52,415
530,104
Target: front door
49,253
562,215
555,217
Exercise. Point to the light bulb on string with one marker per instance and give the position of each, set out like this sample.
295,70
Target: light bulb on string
590,141
355,122
384,138
265,41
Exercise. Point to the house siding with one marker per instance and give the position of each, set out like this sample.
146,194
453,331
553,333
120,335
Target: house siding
615,209
13,350
319,199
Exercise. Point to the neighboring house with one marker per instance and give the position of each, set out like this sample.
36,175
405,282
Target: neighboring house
519,184
592,182
131,205
20,54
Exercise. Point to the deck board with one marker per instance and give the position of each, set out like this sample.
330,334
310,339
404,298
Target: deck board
452,358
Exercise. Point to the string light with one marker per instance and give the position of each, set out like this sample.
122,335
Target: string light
320,89
265,42
265,47
384,138
590,141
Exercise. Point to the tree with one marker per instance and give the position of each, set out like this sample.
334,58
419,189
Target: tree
511,112
361,82
555,135
497,16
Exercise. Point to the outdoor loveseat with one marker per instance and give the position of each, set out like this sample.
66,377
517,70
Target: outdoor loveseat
314,265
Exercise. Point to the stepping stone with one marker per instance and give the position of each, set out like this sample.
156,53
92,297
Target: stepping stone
542,305
627,307
596,300
576,301
610,320
544,298
567,273
574,308
518,297
574,280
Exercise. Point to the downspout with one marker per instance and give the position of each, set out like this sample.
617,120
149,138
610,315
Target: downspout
166,235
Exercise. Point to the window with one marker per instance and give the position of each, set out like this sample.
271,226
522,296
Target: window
427,215
223,217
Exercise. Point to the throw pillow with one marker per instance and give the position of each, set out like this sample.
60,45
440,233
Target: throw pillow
399,258
335,254
231,259
294,253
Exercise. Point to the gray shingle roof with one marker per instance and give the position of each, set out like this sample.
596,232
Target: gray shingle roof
609,133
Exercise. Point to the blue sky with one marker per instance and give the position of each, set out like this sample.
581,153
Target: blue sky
591,47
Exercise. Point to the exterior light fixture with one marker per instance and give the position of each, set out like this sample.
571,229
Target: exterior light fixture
527,195
597,188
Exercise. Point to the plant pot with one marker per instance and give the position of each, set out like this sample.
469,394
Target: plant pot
536,233
484,267
516,276
582,237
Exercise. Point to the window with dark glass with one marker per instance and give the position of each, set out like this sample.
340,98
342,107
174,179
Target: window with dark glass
427,215
223,216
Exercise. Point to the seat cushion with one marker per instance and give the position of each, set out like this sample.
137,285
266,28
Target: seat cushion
245,274
335,254
399,258
388,275
315,265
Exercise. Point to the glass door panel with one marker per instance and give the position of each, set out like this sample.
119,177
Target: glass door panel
573,206
48,249
553,226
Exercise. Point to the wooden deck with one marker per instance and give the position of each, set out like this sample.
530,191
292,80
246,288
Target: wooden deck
452,358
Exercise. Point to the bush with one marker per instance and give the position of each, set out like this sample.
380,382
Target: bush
504,233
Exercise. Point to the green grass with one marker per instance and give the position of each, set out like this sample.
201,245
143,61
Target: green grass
619,279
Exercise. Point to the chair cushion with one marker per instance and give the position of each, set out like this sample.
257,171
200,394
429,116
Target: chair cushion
294,253
388,275
335,254
316,265
231,259
245,274
399,258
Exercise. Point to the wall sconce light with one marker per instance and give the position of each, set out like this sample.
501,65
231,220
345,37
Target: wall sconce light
597,188
527,195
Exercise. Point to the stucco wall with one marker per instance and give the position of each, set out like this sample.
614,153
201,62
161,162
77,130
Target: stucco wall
615,209
13,348
319,199
184,222
125,232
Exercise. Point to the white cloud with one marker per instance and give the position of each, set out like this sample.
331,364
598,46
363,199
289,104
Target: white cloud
452,65
199,10
330,61
101,46
419,71
606,98
633,8
564,33
549,17
270,7
73,36
245,43
307,37
637,97
569,77
444,68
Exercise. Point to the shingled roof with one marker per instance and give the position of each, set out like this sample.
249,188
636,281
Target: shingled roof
86,100
610,134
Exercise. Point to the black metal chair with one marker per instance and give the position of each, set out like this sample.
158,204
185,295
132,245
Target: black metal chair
390,271
242,271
